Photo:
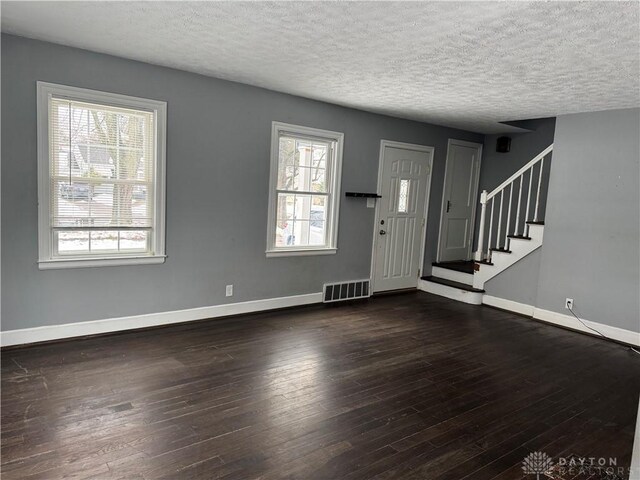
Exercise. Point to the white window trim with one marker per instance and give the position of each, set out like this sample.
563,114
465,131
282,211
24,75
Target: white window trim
45,236
333,209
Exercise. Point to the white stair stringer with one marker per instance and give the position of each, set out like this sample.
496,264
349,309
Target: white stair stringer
519,248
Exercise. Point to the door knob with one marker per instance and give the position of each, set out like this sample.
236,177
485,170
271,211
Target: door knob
448,206
382,232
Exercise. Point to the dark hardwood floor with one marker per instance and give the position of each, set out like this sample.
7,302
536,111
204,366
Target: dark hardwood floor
408,386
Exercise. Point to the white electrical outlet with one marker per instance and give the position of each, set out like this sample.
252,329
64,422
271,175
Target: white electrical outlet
229,291
568,304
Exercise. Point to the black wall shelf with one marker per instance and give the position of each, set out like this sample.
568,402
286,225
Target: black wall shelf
362,195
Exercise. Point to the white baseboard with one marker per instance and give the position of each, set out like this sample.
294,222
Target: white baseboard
472,298
503,303
569,321
69,330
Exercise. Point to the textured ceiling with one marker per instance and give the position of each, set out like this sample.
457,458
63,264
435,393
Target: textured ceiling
464,64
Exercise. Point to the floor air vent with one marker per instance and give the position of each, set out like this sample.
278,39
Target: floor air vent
338,292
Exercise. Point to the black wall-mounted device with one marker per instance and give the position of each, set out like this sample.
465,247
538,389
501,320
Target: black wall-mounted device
503,144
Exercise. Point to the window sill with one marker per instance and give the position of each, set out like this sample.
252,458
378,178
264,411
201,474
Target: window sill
301,252
99,262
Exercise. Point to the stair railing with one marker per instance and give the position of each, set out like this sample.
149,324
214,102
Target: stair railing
501,239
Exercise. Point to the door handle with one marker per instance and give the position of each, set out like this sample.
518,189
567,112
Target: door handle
448,205
382,232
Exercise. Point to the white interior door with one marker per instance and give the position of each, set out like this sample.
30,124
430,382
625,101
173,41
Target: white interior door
459,200
400,218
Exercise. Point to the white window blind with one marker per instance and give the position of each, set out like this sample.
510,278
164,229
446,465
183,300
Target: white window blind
102,169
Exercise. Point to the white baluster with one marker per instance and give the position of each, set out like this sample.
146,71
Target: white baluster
483,209
506,230
519,174
499,220
535,217
518,211
490,229
526,217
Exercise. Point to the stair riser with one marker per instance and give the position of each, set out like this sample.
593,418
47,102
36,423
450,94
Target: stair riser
472,298
536,232
452,275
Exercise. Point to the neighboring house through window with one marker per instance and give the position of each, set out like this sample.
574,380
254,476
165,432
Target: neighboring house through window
304,190
101,164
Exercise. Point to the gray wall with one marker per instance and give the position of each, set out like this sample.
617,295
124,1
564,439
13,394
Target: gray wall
217,189
519,282
591,248
592,233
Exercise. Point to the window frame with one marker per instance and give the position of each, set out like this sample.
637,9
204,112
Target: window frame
334,168
46,248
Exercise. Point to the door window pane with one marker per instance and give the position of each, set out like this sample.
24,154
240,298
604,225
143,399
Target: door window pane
403,196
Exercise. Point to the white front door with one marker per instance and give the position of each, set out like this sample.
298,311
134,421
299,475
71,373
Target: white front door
400,220
459,200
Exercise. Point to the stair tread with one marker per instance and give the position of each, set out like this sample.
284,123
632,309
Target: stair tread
464,266
535,223
503,250
519,237
451,283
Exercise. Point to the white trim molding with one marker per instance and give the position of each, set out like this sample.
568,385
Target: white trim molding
94,327
563,320
48,257
510,305
335,140
301,252
101,262
568,321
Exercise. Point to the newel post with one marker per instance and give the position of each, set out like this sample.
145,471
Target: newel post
483,209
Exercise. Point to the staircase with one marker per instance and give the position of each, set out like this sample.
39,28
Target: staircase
511,227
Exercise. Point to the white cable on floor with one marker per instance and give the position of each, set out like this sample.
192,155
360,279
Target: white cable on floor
593,329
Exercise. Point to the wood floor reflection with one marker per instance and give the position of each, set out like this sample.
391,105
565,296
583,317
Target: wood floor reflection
409,386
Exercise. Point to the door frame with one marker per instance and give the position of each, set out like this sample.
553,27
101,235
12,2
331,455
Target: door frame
405,146
463,143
